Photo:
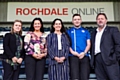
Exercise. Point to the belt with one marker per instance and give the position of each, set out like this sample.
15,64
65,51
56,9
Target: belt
97,53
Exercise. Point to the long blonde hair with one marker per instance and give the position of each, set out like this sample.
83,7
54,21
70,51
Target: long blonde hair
12,30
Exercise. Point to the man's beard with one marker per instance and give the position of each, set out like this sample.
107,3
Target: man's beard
101,26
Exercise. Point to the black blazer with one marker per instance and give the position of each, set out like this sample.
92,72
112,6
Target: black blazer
109,46
9,46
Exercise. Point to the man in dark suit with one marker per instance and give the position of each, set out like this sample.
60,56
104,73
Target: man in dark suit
105,48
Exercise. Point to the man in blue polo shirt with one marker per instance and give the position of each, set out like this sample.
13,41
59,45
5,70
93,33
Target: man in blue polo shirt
79,57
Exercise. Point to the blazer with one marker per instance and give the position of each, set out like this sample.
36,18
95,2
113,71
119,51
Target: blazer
52,47
9,46
109,46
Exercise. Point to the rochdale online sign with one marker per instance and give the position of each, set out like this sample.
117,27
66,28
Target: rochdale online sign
49,11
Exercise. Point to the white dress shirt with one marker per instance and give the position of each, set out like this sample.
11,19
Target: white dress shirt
98,40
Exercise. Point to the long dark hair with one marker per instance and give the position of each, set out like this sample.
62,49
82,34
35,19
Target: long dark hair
63,30
32,23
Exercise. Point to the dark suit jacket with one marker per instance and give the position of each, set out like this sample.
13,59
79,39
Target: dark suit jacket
9,46
109,46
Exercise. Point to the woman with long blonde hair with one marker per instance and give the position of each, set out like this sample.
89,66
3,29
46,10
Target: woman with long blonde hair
13,51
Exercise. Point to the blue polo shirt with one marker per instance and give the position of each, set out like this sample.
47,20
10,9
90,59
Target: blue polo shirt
79,37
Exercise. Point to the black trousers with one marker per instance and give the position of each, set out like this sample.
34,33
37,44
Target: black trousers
105,72
9,72
79,68
34,68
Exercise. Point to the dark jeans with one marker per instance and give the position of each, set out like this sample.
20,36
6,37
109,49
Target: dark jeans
34,68
79,68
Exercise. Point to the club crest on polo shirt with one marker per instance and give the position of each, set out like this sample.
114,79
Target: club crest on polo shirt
72,31
83,31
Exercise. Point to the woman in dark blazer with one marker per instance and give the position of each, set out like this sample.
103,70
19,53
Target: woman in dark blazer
13,52
58,49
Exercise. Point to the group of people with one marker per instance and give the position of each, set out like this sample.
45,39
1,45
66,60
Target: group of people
71,53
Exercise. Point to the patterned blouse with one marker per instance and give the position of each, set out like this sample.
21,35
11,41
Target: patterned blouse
34,44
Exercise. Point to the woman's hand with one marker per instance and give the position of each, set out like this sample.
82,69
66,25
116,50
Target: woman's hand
40,56
19,60
57,59
62,59
35,56
14,59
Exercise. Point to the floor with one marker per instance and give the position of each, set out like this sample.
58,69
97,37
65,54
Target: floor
23,76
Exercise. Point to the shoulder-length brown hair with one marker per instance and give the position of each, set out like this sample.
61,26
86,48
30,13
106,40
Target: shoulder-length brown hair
12,30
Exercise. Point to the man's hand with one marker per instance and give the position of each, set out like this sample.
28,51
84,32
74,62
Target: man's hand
81,55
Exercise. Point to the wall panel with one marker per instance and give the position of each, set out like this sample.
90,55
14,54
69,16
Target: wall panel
56,0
